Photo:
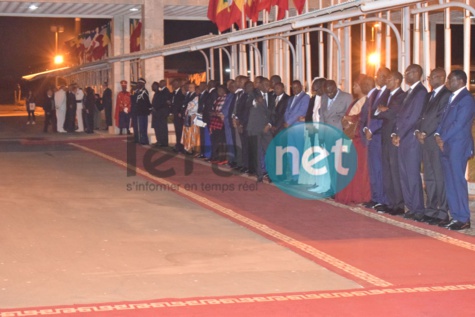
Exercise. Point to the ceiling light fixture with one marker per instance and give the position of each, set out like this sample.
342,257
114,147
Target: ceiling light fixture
33,7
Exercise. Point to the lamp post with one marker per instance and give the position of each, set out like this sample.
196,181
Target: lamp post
58,59
374,58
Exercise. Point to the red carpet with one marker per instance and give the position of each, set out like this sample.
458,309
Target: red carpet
406,268
419,301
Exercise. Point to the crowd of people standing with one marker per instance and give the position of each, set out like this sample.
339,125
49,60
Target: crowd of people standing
394,133
72,109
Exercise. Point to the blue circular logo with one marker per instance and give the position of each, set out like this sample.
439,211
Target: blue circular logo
311,160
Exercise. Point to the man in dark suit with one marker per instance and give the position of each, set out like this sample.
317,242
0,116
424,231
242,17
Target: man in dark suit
436,203
144,107
281,101
409,152
390,162
160,112
296,108
238,115
176,107
455,141
259,126
208,96
107,103
372,132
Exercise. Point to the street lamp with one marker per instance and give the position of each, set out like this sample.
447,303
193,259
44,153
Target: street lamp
58,59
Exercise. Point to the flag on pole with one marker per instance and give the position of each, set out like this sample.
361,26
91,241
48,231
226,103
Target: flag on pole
299,4
238,13
282,7
222,14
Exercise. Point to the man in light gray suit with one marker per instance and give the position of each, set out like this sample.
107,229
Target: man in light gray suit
334,105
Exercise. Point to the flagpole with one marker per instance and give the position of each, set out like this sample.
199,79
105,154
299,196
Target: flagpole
308,56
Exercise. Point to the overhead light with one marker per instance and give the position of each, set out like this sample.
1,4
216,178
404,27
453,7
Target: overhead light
227,70
134,9
33,7
381,4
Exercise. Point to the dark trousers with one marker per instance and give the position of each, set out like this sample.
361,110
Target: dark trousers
218,144
69,122
135,125
436,203
89,121
108,111
454,164
50,118
178,124
31,115
375,167
142,128
409,155
257,148
124,121
244,149
161,130
391,181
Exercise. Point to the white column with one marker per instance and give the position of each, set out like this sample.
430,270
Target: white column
152,37
153,69
417,39
388,41
363,48
406,38
447,43
117,73
433,35
347,80
467,44
426,66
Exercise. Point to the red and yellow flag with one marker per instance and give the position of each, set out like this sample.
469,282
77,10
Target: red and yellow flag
221,13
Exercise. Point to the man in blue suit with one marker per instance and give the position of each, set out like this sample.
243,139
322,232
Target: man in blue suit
372,131
297,107
455,141
409,152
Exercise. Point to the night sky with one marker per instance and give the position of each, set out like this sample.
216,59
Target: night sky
28,45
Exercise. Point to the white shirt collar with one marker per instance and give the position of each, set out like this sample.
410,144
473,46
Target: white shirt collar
455,93
394,91
415,84
436,91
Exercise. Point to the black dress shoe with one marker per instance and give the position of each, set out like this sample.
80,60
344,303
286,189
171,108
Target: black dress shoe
396,211
458,225
438,221
409,215
418,217
381,208
369,204
425,219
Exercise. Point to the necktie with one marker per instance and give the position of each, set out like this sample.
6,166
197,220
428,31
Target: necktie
264,95
408,93
330,102
432,94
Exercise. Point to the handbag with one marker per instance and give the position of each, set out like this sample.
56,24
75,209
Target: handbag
198,121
